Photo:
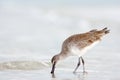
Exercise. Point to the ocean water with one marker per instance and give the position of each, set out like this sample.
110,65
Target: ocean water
31,35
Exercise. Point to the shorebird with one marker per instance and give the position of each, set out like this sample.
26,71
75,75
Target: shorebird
78,45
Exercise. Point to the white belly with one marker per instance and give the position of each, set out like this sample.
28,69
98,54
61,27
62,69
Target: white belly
79,52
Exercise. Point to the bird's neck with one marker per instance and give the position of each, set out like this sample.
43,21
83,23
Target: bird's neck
62,55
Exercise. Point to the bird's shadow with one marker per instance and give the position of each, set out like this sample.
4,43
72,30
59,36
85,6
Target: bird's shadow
77,75
53,75
81,75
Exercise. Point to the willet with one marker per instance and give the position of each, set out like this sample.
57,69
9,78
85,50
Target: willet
77,45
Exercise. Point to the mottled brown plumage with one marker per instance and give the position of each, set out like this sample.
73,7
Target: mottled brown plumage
78,44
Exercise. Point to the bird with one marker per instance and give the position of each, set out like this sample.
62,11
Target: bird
78,45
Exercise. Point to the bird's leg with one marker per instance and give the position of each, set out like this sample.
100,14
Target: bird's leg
83,62
53,68
77,65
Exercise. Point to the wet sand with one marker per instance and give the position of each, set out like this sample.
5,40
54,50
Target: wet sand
60,74
98,66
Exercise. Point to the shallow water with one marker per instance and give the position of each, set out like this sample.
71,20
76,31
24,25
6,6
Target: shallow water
59,75
105,68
